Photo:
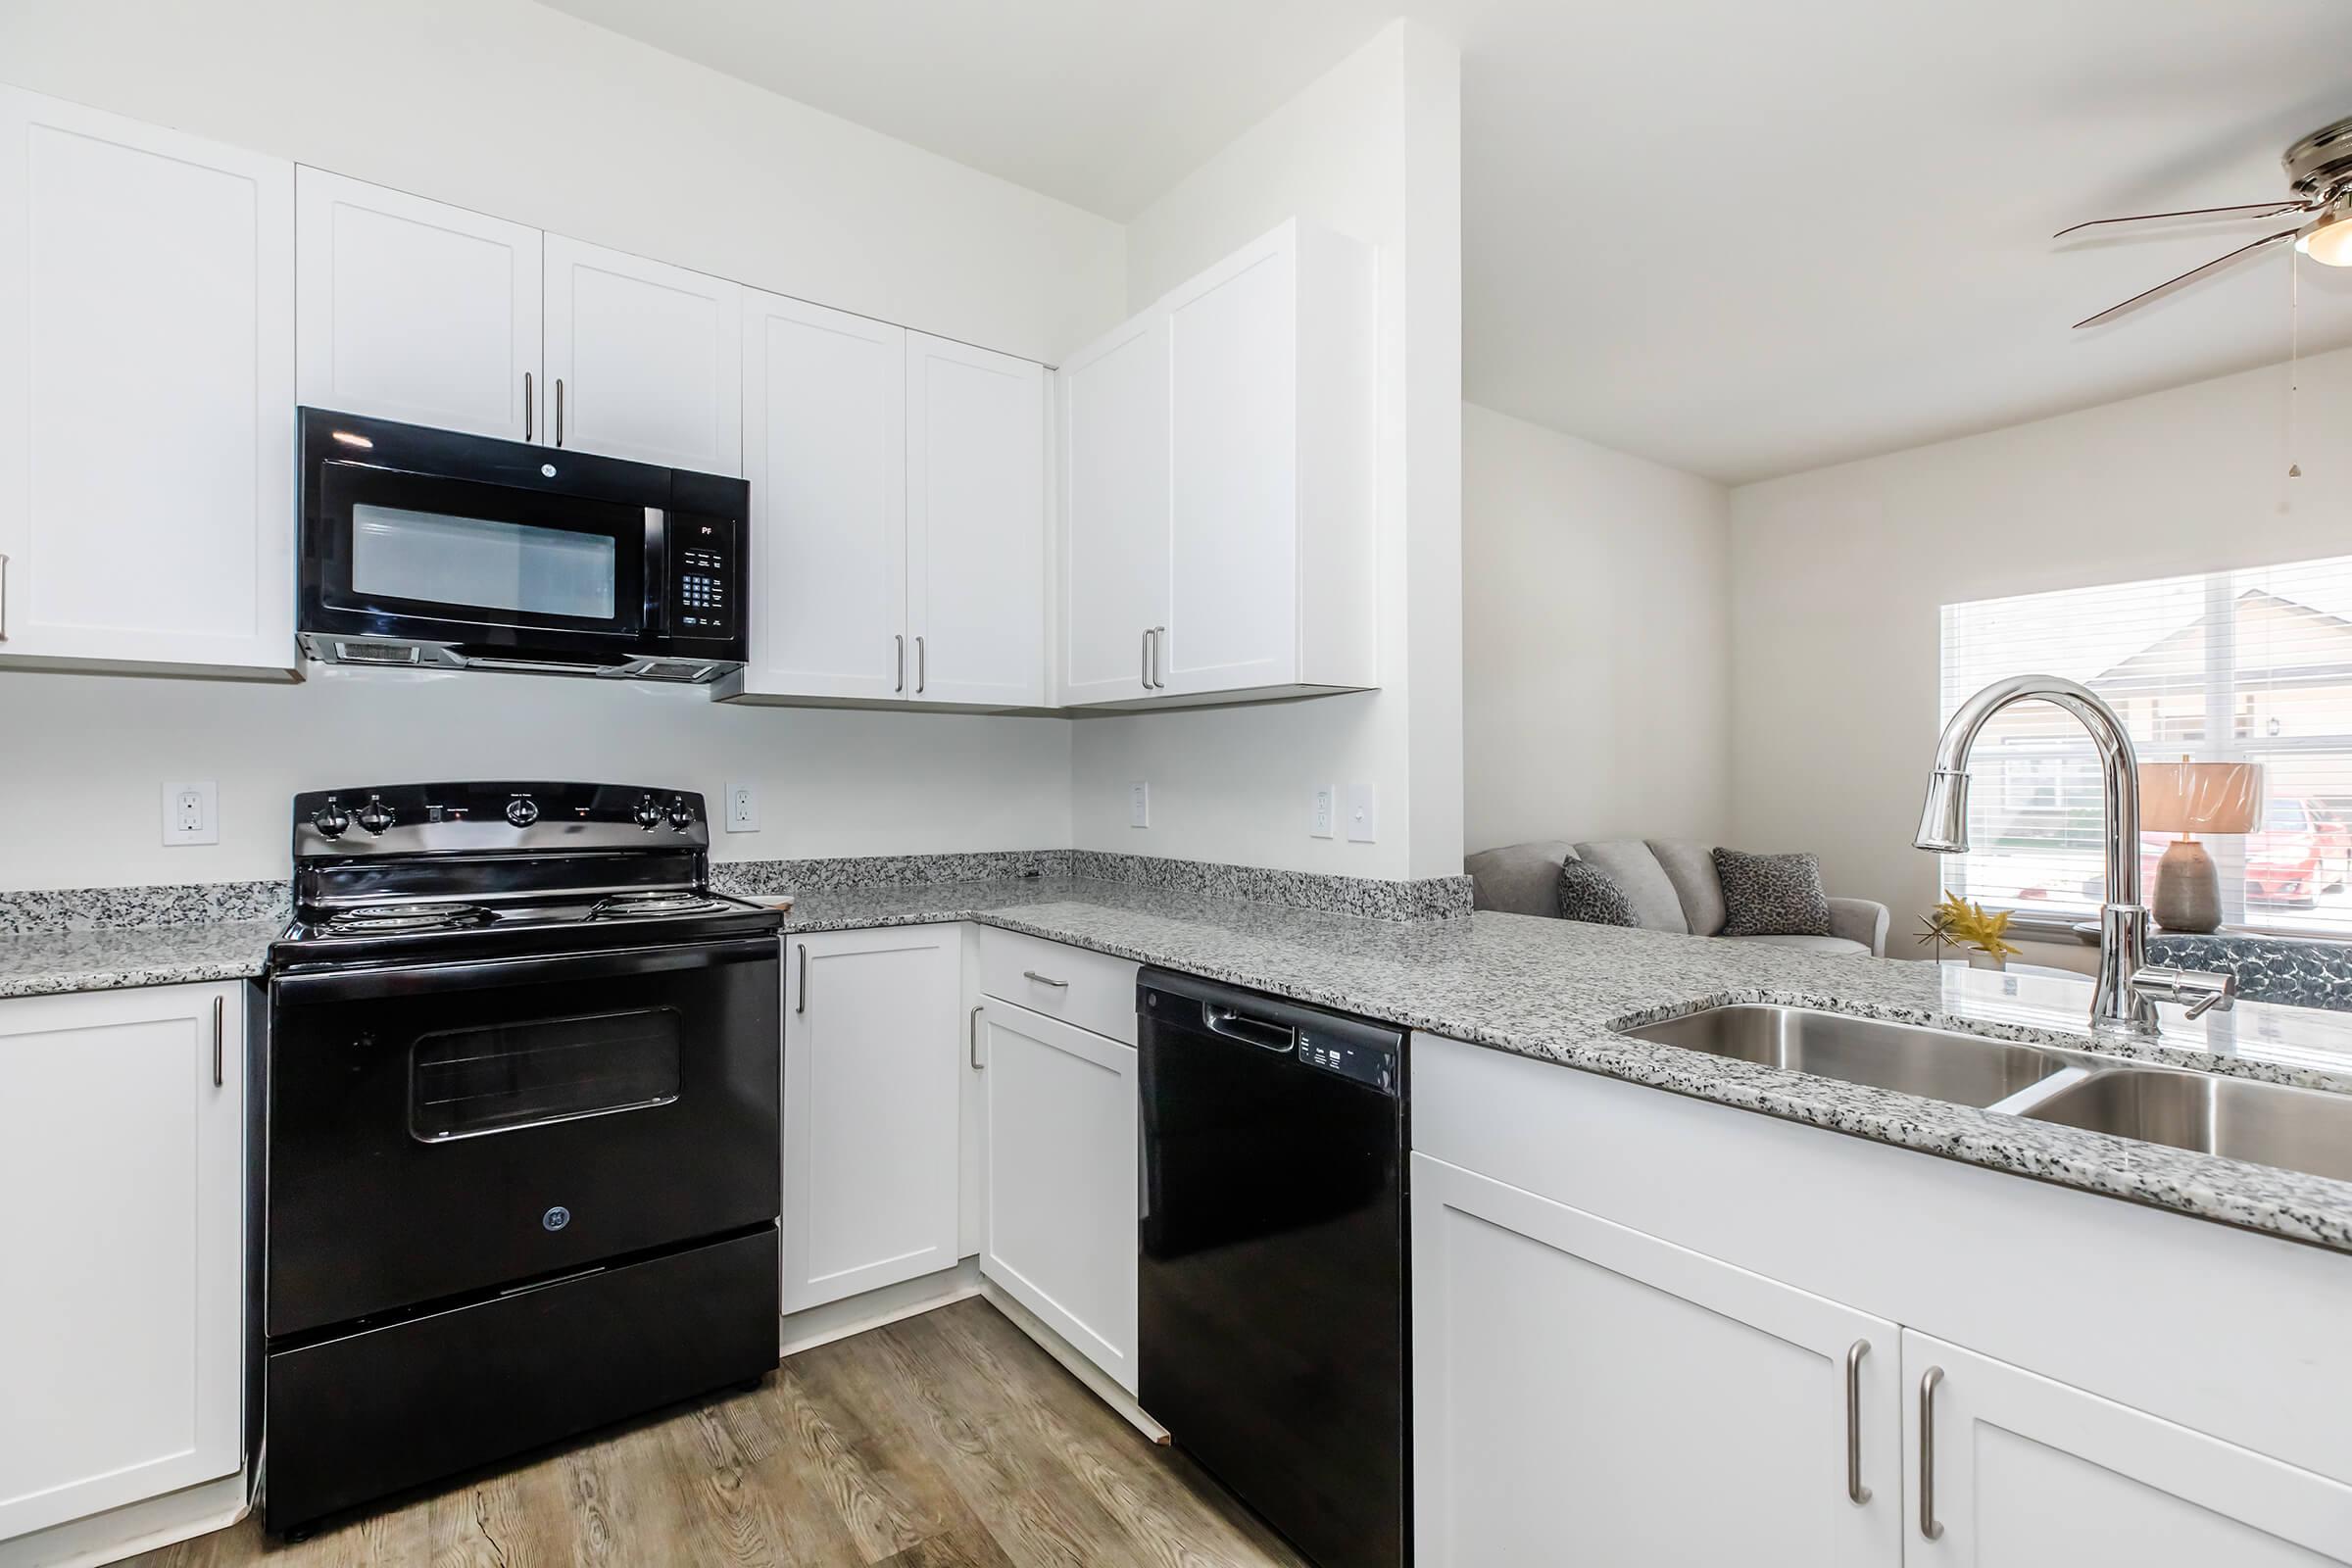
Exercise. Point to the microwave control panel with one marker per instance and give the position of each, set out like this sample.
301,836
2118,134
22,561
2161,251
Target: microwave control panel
705,592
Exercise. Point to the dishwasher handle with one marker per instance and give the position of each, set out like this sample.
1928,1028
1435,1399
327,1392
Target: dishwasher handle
1236,1025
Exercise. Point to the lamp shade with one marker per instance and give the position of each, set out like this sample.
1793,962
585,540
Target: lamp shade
2188,797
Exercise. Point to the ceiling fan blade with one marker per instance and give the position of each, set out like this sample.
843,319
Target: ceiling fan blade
2250,210
2166,287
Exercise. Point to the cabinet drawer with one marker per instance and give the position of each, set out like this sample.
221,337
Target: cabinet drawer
1091,989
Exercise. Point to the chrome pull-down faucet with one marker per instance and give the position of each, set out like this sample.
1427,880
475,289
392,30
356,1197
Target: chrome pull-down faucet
2128,990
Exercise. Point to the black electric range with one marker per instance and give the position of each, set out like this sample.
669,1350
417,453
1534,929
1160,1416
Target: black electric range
522,1130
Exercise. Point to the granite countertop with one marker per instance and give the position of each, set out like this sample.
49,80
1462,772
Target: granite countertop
114,957
1556,991
1546,989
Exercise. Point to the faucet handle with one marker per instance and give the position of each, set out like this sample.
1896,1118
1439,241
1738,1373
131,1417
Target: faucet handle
2202,991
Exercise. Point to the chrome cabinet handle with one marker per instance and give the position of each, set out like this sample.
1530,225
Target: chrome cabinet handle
1045,980
971,1035
1147,648
1928,1527
1159,637
922,667
559,410
900,683
218,1008
1855,1492
3,598
801,1004
527,405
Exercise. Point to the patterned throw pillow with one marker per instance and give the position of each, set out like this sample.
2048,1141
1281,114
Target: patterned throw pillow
1772,895
1587,894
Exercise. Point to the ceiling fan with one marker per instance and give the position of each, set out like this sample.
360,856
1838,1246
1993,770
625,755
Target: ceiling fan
2319,171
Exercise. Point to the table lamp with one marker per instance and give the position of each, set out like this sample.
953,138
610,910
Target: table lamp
2191,797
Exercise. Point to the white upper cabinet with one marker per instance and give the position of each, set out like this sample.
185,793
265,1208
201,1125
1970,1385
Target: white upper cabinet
975,524
122,1331
644,359
414,311
825,420
1114,505
1219,485
146,395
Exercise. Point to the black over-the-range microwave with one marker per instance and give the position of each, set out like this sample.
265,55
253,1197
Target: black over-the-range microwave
430,548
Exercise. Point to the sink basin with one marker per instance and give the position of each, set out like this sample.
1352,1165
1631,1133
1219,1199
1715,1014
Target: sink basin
2308,1130
1936,1063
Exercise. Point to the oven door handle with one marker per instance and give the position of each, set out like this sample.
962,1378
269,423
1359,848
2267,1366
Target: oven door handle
364,985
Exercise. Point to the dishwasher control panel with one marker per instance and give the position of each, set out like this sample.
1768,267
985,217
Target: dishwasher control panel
1349,1059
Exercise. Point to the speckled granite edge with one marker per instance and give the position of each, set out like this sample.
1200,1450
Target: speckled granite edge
161,904
48,963
1366,898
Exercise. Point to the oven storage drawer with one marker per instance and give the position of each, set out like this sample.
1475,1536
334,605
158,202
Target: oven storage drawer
370,1412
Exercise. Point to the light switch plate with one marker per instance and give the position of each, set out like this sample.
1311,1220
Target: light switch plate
1363,813
1139,806
741,809
1322,811
191,813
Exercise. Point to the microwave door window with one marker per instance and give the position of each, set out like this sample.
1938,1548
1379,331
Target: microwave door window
439,557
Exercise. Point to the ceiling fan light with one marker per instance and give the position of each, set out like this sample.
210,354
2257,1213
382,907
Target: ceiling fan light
2330,242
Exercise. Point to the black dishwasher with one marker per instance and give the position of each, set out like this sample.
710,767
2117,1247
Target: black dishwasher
1272,1312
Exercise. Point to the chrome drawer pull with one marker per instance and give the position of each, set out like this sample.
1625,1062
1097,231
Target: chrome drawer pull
1045,980
1855,1492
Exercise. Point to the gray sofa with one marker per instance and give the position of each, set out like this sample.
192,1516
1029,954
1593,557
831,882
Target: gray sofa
1671,883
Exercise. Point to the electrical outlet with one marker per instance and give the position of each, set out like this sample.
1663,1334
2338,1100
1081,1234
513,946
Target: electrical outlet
1319,815
742,809
1139,806
1363,813
191,813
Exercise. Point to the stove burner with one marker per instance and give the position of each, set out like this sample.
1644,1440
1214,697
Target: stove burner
677,902
378,918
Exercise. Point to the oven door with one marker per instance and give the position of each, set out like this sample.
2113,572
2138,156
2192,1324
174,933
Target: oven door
458,1129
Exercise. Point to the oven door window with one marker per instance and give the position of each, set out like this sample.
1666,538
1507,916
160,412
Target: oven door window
456,550
466,1081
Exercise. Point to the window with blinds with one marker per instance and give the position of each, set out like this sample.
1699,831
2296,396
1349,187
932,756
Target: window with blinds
2245,667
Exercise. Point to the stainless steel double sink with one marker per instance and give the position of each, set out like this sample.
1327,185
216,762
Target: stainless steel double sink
2307,1130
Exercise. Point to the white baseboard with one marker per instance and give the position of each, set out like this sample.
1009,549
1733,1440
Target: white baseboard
813,1326
1097,1382
131,1528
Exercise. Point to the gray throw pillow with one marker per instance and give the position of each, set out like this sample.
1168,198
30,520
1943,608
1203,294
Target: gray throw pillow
1587,894
1772,895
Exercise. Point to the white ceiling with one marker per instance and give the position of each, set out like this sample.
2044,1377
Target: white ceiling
1742,239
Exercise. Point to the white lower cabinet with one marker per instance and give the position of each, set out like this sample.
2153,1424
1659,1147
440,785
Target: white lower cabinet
2028,1473
872,1081
1583,1393
121,1328
1063,1178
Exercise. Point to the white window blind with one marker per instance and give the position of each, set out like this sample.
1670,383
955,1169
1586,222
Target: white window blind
2247,665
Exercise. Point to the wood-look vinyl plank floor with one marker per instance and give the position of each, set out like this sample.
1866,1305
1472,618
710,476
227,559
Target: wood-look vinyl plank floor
946,1441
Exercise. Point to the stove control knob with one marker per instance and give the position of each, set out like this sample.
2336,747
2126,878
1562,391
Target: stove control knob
681,815
649,812
375,815
331,820
522,811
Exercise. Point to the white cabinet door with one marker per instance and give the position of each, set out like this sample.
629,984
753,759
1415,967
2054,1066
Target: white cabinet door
1115,488
1233,441
975,524
873,1065
121,1329
411,310
2028,1473
1583,1393
644,359
146,391
824,422
1063,1158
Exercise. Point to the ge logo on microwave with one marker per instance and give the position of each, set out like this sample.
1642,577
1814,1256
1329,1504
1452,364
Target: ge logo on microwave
555,1218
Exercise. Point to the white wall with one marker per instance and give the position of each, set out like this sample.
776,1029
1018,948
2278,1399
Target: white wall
1838,575
531,115
526,113
1597,661
1372,149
